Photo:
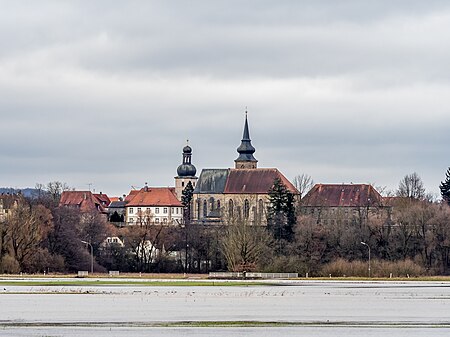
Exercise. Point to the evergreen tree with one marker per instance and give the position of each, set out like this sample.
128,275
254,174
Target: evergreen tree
186,200
281,212
445,187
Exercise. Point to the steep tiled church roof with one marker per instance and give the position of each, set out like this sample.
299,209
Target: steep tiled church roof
212,181
258,181
240,181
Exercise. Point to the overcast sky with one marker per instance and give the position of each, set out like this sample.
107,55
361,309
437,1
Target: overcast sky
107,92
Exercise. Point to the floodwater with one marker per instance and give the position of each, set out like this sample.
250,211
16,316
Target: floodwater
313,308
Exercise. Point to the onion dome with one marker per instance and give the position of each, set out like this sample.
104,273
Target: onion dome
186,169
187,149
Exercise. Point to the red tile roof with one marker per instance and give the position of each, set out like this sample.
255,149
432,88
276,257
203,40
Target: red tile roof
342,195
155,196
103,198
258,181
131,195
84,200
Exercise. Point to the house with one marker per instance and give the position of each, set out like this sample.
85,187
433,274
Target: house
153,205
85,201
346,204
239,192
116,212
103,198
112,240
7,202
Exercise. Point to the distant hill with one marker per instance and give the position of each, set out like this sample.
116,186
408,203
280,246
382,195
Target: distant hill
26,192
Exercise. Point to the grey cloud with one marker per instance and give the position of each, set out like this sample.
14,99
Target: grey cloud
108,92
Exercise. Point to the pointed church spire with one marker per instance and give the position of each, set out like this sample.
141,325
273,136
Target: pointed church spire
246,150
246,135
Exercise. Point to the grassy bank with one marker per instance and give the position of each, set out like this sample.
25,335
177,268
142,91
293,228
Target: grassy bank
179,280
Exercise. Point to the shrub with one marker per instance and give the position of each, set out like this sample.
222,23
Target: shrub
379,268
285,264
9,265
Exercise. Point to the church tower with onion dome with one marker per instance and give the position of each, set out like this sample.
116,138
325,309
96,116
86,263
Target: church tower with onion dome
185,172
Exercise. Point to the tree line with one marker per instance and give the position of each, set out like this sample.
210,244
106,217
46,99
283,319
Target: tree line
39,236
412,238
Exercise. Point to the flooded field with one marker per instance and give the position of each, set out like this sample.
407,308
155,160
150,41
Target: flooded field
294,308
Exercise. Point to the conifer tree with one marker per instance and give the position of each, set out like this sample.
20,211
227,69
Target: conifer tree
445,187
281,212
186,199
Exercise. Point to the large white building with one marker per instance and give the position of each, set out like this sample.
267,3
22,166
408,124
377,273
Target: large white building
154,206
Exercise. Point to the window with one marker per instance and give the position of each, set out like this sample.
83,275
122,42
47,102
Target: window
164,220
131,220
178,210
182,184
139,210
130,210
246,208
148,210
115,240
218,204
198,209
156,220
261,209
157,210
211,201
165,210
205,208
230,208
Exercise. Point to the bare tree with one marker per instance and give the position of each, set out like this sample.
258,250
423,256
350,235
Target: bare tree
243,244
49,195
26,227
411,186
303,182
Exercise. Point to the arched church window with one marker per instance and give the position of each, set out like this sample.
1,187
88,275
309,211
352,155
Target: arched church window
230,208
218,204
198,208
211,204
260,209
205,208
246,208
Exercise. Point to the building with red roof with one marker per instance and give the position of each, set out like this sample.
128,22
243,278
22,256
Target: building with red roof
153,205
85,201
344,204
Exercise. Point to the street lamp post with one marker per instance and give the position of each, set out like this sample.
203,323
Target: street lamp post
92,255
365,244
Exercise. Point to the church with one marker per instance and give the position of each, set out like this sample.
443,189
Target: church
223,194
